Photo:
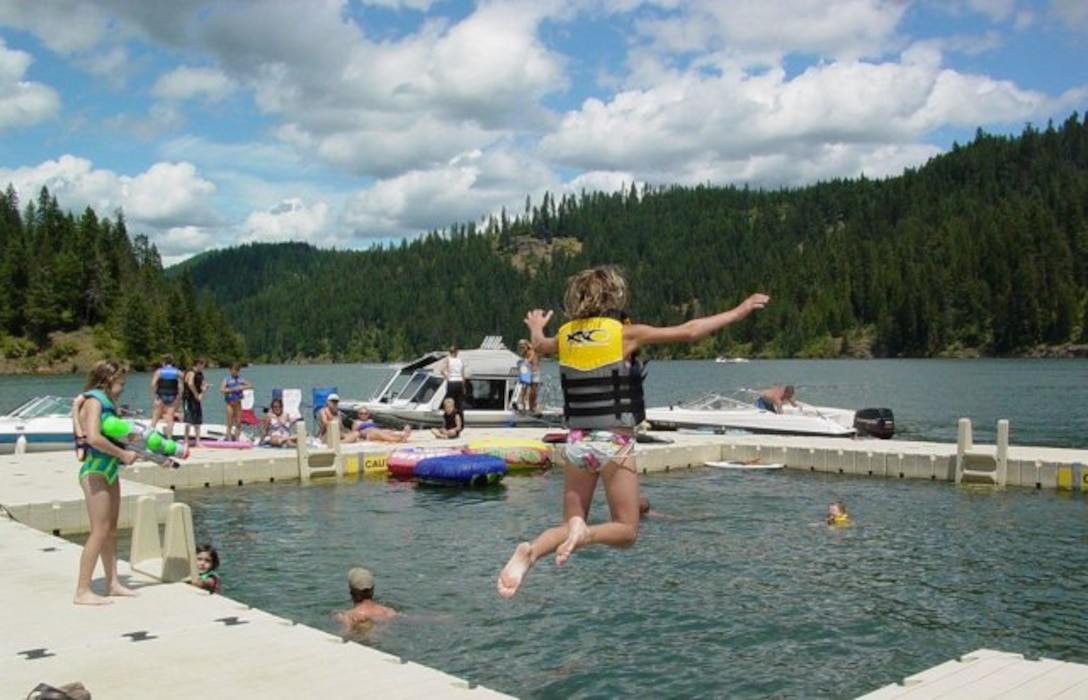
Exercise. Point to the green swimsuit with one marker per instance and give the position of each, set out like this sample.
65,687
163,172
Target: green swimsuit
99,462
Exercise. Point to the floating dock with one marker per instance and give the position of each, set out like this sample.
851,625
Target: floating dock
172,640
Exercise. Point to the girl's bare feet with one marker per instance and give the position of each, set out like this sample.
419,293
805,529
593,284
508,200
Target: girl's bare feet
119,590
576,537
90,598
513,573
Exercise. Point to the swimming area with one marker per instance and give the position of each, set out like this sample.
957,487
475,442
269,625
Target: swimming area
737,590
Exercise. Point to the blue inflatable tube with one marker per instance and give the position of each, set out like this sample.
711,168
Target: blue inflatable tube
461,470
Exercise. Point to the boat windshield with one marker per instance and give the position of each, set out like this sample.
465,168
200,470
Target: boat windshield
43,406
419,389
711,401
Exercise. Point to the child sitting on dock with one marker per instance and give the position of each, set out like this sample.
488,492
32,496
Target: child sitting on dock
451,421
602,403
207,561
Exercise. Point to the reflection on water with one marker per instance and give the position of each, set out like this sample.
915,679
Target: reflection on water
739,591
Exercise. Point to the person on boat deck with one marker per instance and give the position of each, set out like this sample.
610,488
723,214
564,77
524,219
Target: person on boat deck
165,392
330,415
277,426
455,373
451,421
364,610
525,377
603,401
774,398
367,429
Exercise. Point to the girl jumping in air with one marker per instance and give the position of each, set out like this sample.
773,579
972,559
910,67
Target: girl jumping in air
602,404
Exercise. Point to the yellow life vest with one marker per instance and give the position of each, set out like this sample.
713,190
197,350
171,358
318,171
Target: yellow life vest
601,389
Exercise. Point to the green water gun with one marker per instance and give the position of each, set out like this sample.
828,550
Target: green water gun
156,447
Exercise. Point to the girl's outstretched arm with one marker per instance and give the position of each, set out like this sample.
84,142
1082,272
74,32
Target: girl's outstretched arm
637,335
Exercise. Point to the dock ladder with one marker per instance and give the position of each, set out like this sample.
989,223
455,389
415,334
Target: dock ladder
985,464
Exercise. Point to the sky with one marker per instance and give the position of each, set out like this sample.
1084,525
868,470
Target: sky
354,123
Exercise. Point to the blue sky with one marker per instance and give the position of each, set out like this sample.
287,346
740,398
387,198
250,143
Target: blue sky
349,123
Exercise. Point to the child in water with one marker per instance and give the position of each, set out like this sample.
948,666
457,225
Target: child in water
207,561
603,402
836,513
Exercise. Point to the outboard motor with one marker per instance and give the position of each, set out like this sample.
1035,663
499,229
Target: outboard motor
875,422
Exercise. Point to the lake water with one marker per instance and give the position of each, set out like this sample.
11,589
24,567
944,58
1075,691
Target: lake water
1046,401
738,590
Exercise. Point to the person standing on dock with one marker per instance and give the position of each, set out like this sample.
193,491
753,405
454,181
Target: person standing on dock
98,477
191,400
602,403
165,392
233,388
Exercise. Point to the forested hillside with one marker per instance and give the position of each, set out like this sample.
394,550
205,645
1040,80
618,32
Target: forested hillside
984,250
61,274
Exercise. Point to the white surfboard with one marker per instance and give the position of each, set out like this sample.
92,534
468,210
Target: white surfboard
758,466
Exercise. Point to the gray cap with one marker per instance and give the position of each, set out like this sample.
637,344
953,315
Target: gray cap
360,579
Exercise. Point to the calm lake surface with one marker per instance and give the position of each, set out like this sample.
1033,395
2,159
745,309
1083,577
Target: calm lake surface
1046,401
737,590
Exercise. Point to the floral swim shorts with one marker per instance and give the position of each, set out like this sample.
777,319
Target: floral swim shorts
591,450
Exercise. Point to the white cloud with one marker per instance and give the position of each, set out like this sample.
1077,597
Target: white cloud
290,220
22,103
167,202
1071,13
185,83
702,128
65,26
167,194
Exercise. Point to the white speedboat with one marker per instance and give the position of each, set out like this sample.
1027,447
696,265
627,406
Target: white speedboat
413,393
44,424
719,413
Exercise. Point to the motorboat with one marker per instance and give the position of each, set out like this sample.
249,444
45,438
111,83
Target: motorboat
720,413
412,395
44,424
725,360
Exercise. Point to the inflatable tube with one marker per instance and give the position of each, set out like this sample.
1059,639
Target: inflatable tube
402,461
460,470
518,454
227,444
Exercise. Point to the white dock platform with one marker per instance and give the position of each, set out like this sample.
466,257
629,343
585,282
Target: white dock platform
176,642
986,674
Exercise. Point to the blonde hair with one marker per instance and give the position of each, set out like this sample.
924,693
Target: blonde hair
595,291
102,375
